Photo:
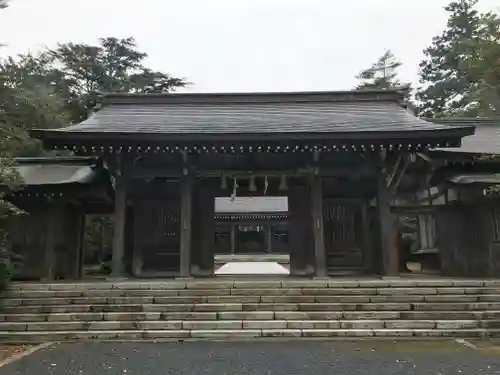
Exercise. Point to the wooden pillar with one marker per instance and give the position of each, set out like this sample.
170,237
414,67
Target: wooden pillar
206,222
186,188
269,238
51,240
119,220
318,230
367,238
388,232
300,230
232,235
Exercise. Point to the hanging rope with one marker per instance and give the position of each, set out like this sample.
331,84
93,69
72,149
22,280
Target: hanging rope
235,187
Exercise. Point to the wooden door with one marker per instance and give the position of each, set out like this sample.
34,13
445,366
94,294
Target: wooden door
344,241
157,235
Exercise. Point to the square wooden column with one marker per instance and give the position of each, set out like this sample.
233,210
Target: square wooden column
318,226
186,187
232,238
52,238
300,230
388,230
203,230
119,220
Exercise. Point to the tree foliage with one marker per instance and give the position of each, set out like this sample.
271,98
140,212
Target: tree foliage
460,71
382,75
84,72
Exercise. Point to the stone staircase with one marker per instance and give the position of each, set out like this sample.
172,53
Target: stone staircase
228,309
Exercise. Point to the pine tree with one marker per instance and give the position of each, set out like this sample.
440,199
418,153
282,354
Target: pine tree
382,75
454,73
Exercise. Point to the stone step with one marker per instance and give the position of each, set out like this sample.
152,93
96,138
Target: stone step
236,334
229,299
245,324
250,284
253,315
319,291
276,307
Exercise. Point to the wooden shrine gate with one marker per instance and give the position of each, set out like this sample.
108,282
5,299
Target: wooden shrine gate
347,239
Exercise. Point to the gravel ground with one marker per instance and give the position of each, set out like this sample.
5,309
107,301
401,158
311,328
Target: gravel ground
262,358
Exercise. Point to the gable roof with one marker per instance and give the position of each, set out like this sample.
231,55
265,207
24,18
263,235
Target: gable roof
485,140
179,116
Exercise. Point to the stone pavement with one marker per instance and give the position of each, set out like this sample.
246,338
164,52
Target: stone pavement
262,358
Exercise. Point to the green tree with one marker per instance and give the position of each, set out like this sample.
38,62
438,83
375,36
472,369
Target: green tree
8,179
454,74
382,75
29,99
483,66
84,72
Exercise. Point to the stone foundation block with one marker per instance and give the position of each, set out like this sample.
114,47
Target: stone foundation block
362,324
406,291
385,307
189,316
130,300
410,324
265,324
226,334
305,283
244,284
370,315
103,293
270,307
342,299
313,324
341,284
24,318
453,291
210,285
13,327
233,299
169,308
181,299
203,292
131,316
451,298
246,315
287,299
393,332
396,298
209,325
160,325
55,326
281,333
457,324
218,307
110,325
164,334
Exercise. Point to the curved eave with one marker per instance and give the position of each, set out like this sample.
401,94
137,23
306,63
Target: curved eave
57,136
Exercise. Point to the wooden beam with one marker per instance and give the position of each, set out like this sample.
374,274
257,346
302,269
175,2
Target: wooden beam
318,230
186,187
400,169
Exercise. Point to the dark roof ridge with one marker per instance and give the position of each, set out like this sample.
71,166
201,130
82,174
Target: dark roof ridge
255,97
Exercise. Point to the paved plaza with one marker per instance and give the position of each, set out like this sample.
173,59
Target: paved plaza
262,358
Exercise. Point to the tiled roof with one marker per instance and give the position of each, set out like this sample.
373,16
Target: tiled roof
486,139
260,113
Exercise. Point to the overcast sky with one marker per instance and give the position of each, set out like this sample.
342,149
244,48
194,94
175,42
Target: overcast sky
241,45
